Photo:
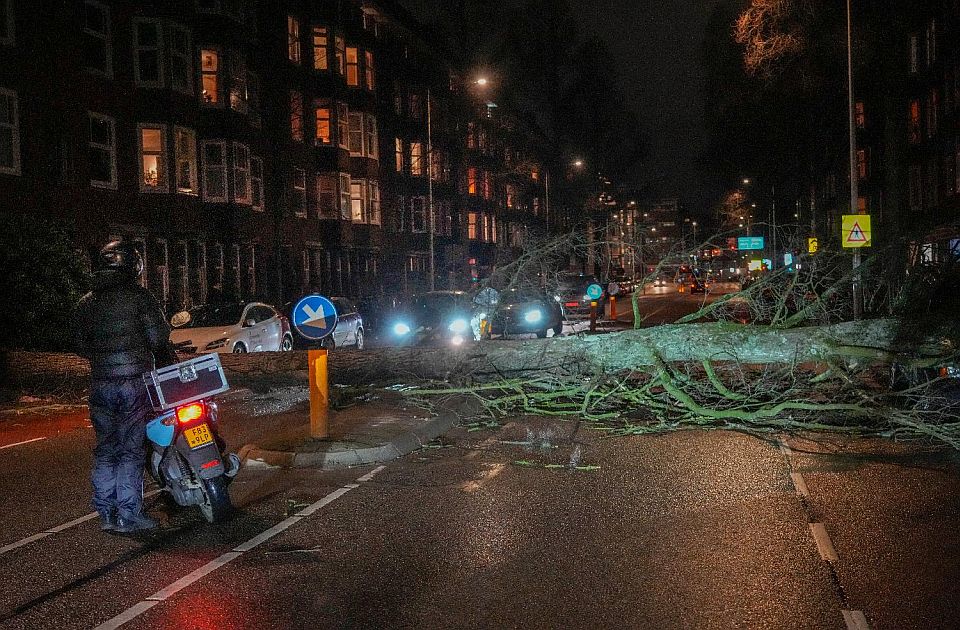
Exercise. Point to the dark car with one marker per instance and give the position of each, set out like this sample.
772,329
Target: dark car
697,285
349,330
571,290
435,317
523,311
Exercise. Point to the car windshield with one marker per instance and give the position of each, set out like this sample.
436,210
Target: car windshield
432,306
219,315
519,296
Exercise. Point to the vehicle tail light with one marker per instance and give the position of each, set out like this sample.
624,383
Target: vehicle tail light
210,464
572,304
189,412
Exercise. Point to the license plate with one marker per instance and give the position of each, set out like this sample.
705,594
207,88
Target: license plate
198,436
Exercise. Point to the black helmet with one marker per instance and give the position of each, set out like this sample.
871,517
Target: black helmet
121,256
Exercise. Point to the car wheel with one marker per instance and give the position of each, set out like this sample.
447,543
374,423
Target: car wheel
328,343
558,329
286,344
542,334
359,338
239,348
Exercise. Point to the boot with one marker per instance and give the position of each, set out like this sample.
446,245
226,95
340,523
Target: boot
134,523
108,522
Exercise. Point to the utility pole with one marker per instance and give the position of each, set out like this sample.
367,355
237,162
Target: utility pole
854,192
773,225
546,186
433,218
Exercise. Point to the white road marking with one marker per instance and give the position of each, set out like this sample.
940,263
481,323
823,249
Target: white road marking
785,450
22,443
855,619
824,544
59,528
800,484
163,594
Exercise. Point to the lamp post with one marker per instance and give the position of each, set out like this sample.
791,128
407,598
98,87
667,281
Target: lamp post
854,191
433,218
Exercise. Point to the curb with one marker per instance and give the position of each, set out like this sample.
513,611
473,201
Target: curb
397,447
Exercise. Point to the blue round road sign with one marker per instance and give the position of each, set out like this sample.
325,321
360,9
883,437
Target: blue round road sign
314,317
594,291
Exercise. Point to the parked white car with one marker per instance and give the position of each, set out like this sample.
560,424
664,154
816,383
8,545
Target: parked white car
237,327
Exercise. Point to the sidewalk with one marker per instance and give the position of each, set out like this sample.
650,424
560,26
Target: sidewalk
368,432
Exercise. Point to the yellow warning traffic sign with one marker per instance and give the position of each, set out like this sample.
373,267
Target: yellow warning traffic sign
855,230
813,245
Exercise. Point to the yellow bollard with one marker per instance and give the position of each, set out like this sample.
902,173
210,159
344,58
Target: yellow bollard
593,316
613,308
319,393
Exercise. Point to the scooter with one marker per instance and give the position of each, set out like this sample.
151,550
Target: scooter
188,459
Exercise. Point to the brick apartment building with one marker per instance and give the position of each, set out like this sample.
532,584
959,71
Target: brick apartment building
259,149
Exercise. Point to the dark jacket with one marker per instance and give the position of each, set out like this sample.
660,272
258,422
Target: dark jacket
120,328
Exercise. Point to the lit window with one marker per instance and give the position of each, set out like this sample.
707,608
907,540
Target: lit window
241,173
343,126
256,184
373,200
103,151
353,67
358,210
326,196
356,134
340,53
153,167
416,159
215,171
324,131
97,40
320,43
185,157
368,70
510,196
861,117
9,133
147,53
296,116
210,76
914,121
862,166
181,66
298,200
372,148
472,181
7,31
472,226
398,147
344,196
293,39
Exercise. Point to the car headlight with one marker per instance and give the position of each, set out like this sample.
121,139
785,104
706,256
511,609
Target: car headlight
481,316
459,326
457,340
400,329
217,343
533,316
556,298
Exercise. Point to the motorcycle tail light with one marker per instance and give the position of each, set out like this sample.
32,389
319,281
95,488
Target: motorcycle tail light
189,412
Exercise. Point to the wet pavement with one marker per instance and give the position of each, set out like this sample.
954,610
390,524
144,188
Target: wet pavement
537,524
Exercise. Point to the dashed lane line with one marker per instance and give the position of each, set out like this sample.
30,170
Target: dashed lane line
165,593
21,443
57,529
824,544
800,484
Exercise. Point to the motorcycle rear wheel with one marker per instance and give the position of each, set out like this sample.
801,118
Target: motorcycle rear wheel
216,506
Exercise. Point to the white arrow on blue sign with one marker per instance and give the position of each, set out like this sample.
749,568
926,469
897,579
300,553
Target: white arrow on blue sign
314,317
594,291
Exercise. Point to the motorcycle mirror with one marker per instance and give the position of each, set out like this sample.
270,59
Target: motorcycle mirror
250,323
180,319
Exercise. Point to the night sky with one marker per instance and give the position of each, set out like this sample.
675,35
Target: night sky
659,44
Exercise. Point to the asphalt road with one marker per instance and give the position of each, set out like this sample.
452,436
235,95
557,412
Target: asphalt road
530,525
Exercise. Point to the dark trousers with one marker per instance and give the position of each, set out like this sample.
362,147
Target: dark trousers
119,410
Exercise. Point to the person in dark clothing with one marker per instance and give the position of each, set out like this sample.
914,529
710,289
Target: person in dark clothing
123,332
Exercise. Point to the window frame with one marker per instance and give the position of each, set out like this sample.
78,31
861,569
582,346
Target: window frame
110,149
241,168
343,126
296,131
340,54
10,39
327,189
299,176
369,74
294,45
358,202
106,36
321,62
374,210
222,168
194,190
371,137
185,56
322,105
343,190
256,184
399,160
163,180
158,48
416,159
216,74
352,75
356,131
16,167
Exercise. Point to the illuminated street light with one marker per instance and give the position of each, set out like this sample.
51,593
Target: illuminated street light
578,163
481,81
746,181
